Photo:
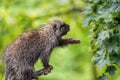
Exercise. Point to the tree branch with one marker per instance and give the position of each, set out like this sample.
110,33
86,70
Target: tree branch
73,10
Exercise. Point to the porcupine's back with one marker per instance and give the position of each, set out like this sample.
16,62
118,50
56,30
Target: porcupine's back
23,52
19,54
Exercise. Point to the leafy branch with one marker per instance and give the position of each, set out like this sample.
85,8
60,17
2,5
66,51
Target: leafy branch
105,45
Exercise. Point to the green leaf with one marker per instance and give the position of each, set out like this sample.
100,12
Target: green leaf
87,21
103,77
96,59
103,35
103,62
111,70
101,51
107,20
116,59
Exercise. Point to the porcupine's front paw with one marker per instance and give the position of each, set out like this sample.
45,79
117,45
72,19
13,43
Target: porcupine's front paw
74,41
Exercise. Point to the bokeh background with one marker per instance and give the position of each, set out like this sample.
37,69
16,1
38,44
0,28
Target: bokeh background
70,63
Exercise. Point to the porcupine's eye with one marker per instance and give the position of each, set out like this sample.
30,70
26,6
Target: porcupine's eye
62,27
54,27
65,27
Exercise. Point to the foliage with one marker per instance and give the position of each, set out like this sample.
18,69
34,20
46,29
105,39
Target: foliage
104,16
70,63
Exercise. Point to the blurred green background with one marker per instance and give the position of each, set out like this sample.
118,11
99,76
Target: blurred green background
70,63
